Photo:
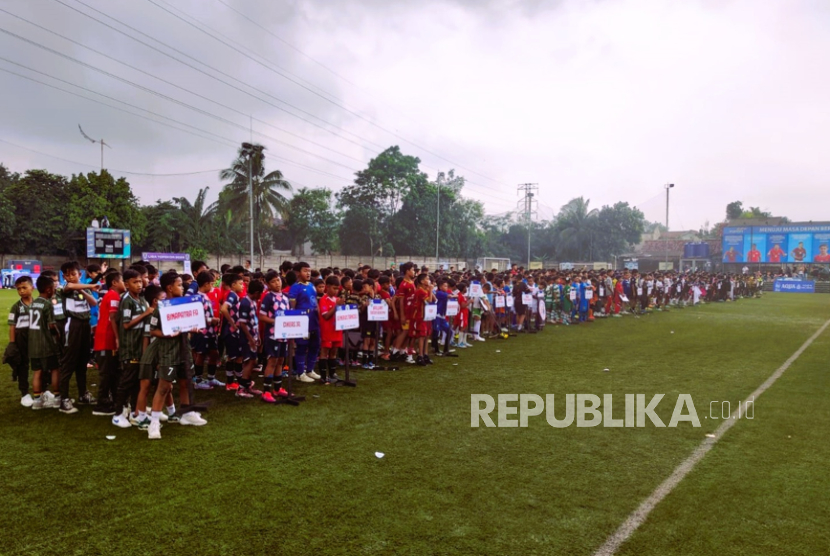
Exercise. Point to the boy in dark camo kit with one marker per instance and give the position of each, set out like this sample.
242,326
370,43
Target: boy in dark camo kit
43,344
19,319
76,305
171,363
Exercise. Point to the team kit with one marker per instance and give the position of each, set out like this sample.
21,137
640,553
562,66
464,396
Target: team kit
112,320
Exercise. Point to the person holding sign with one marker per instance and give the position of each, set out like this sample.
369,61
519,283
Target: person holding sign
420,329
276,350
330,338
171,363
441,332
303,297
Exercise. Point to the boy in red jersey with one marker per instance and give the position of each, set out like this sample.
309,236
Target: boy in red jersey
105,344
419,329
330,338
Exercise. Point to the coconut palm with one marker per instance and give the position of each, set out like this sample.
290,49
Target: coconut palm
574,228
268,192
198,219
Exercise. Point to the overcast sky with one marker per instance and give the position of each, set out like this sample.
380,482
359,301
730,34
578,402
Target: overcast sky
608,99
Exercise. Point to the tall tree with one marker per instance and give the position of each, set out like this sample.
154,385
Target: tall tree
734,210
311,218
575,229
40,201
197,222
375,196
268,191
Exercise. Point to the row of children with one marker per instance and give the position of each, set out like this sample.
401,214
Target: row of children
52,333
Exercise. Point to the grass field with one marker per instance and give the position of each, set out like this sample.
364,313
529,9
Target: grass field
305,480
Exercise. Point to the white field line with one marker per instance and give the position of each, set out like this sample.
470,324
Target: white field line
641,513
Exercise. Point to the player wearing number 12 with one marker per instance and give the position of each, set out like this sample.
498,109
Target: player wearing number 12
43,344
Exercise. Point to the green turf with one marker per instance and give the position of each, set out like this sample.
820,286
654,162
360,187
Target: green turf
279,480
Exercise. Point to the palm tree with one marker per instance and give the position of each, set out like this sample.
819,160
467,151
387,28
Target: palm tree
198,220
269,201
574,227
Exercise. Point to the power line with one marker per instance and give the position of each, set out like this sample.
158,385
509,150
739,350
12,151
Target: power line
470,182
221,139
111,170
154,76
169,98
283,74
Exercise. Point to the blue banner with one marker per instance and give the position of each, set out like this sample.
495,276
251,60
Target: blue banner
795,286
777,244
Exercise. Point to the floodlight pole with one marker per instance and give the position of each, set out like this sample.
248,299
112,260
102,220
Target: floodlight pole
668,187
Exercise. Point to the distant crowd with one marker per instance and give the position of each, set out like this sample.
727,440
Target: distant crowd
110,320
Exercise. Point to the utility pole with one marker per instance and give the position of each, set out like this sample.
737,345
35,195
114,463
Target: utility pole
103,144
438,217
668,187
251,151
528,206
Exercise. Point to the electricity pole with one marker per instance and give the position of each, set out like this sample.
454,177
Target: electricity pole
528,206
438,217
96,141
668,187
251,151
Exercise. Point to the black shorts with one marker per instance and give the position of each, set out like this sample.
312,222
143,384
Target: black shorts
203,344
233,346
47,364
246,351
274,349
173,373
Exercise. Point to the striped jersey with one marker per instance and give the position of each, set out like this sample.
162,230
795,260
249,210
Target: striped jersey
169,347
41,342
273,303
131,341
75,305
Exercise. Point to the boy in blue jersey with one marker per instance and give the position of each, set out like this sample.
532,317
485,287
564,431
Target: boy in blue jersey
303,297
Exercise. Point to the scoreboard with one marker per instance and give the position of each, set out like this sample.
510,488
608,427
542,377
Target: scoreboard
107,243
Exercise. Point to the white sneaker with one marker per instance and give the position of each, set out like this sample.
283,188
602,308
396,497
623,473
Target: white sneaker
154,432
27,400
410,359
121,421
313,375
50,401
479,339
305,378
192,418
37,403
163,418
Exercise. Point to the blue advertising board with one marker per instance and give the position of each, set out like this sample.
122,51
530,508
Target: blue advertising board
794,286
777,244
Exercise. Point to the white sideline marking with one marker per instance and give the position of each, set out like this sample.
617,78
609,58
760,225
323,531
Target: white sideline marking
641,513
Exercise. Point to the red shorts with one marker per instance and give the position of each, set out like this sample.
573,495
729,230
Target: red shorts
419,329
392,326
331,344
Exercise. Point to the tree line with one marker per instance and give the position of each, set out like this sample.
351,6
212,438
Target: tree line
390,208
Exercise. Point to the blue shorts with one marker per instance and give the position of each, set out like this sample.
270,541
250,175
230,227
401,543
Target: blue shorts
247,352
203,344
274,349
233,345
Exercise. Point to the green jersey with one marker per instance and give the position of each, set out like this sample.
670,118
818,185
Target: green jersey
41,342
76,305
57,305
169,348
20,316
131,340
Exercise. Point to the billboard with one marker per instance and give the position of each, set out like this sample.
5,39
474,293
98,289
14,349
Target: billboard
777,244
107,243
794,286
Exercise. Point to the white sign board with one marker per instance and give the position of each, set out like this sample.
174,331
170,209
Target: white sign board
346,317
475,289
378,311
452,307
499,302
290,326
430,311
181,314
